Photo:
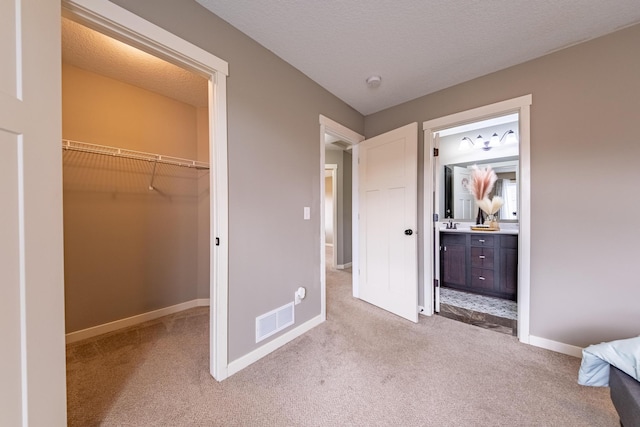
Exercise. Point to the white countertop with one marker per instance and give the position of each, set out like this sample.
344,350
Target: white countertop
465,227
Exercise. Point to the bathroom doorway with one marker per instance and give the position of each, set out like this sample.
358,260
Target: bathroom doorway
489,284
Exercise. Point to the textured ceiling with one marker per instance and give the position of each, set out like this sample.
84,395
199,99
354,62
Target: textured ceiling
416,46
100,54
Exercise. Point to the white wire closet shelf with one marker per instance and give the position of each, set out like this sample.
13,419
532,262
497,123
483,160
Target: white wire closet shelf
131,154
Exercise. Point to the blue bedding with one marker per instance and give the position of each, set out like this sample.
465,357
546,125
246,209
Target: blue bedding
596,359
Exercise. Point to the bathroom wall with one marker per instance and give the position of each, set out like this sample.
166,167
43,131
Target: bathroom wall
128,249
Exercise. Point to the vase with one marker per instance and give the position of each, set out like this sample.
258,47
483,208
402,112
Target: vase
492,221
480,218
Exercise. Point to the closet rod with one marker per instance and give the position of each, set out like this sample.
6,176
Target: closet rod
131,154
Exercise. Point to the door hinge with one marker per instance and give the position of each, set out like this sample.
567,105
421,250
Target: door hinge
436,217
436,152
217,241
436,283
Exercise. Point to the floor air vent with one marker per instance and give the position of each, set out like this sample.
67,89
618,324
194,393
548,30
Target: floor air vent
274,321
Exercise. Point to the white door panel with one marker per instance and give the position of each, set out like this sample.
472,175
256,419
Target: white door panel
388,207
32,372
464,204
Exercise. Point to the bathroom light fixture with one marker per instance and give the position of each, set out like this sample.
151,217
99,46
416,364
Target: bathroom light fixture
374,81
467,143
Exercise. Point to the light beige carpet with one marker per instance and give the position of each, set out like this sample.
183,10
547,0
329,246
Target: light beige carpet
362,367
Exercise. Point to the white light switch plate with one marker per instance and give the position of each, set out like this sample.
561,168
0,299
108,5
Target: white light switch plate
307,212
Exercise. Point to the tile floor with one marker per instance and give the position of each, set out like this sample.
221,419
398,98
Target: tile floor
486,312
495,306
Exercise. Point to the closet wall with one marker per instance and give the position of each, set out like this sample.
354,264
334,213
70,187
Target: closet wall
128,249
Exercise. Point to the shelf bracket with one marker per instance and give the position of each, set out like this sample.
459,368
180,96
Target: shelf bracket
153,175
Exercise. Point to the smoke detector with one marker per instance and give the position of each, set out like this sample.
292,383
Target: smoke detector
374,81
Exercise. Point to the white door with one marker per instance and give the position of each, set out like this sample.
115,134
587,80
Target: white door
32,372
463,203
388,257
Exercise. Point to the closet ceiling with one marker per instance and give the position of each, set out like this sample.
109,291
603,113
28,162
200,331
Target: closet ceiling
97,53
416,46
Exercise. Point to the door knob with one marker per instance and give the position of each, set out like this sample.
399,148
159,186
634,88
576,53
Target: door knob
408,232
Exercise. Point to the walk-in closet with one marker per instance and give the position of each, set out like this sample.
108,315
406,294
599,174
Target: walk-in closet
135,183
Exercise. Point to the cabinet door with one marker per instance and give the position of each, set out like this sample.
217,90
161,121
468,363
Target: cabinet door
453,259
454,265
508,270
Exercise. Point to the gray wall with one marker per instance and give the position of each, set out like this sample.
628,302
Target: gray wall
584,178
274,158
343,242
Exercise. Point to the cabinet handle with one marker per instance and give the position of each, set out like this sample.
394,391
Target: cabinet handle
481,240
481,278
481,256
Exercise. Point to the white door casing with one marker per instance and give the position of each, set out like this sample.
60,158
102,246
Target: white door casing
432,240
522,106
387,176
32,372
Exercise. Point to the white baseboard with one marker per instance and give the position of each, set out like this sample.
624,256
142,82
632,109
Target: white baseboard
203,302
343,266
556,346
257,354
133,320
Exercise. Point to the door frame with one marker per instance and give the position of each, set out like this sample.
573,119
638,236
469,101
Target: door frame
352,138
521,105
129,28
334,200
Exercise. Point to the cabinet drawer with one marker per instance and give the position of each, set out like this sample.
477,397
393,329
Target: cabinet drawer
482,257
482,240
482,278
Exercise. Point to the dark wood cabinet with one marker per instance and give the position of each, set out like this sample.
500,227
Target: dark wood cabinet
482,263
508,264
454,255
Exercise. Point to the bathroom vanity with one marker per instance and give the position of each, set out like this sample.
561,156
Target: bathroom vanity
484,263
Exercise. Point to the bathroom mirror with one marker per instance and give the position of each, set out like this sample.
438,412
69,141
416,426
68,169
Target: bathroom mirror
462,147
458,203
